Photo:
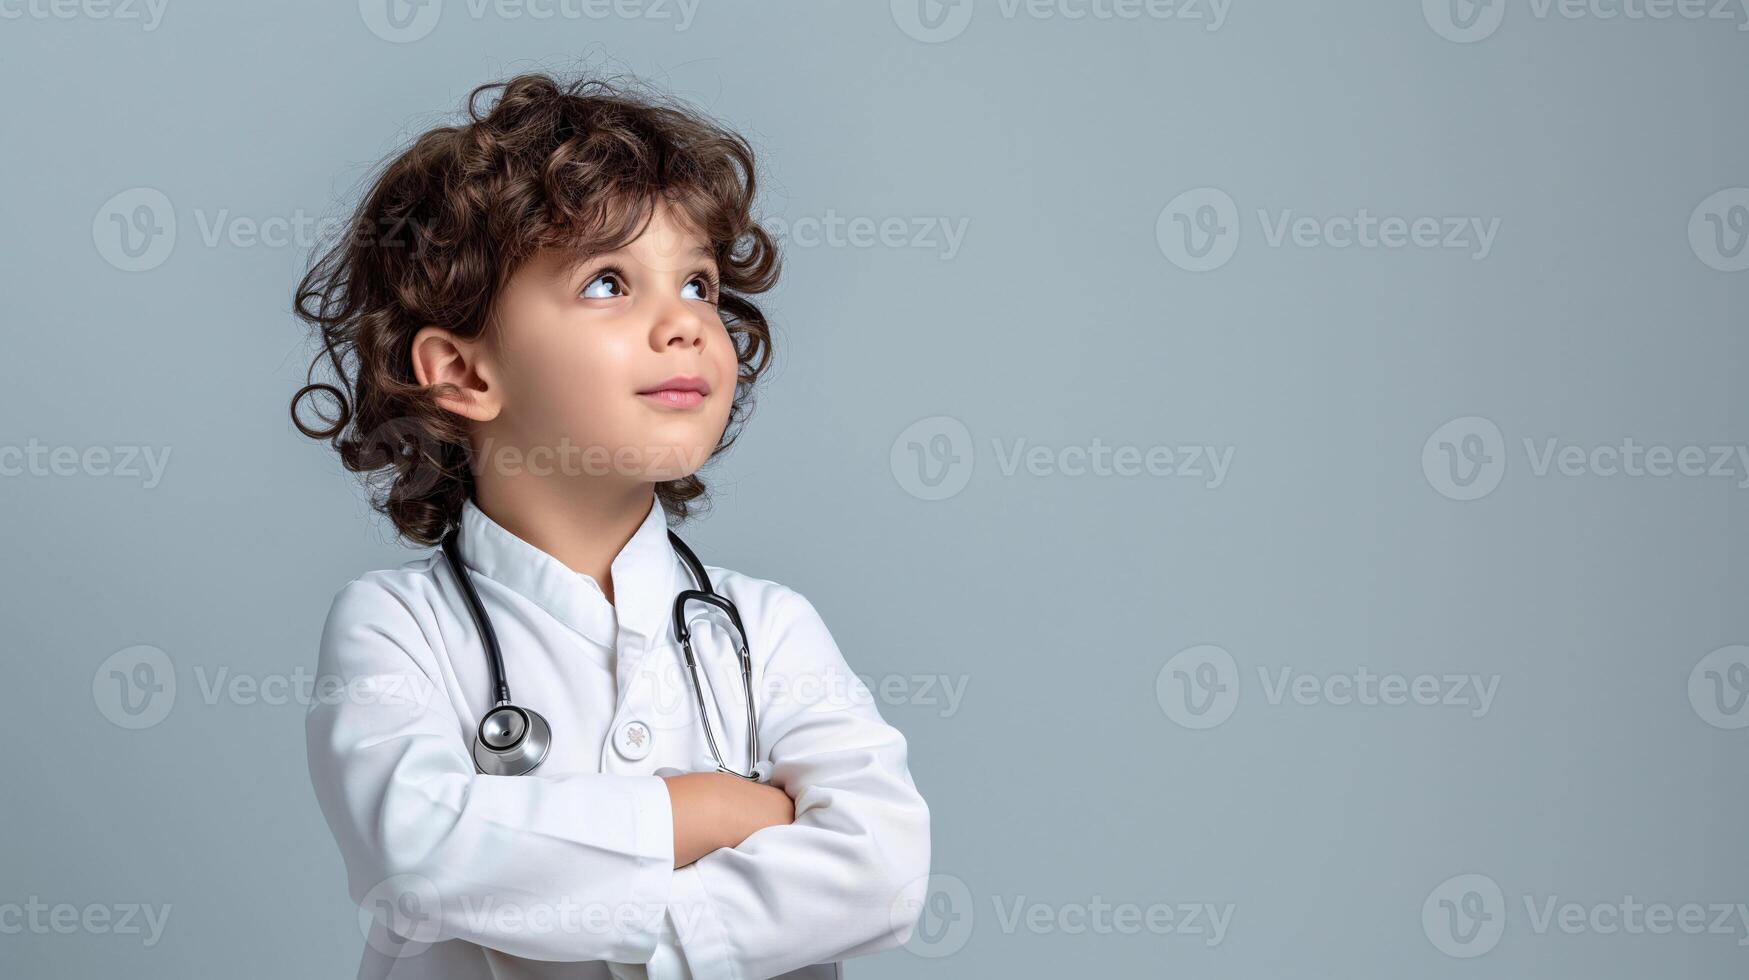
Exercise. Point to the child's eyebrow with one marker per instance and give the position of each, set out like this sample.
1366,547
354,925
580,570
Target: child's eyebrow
580,259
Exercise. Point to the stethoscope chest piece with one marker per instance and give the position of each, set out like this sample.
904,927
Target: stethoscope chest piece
511,741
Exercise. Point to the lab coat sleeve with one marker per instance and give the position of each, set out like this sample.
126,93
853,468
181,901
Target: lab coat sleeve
565,868
849,875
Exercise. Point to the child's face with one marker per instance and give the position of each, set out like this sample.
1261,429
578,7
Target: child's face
578,346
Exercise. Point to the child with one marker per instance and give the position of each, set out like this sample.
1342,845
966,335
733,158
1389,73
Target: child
540,329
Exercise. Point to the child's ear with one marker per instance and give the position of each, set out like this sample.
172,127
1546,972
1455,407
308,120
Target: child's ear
440,357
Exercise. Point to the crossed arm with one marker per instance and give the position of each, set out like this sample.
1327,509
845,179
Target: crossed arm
737,879
715,809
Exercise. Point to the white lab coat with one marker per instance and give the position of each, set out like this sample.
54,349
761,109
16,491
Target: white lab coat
566,870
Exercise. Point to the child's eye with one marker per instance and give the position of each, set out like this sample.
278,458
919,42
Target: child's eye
591,292
608,285
707,288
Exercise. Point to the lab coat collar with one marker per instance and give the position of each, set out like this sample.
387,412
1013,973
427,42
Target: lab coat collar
644,577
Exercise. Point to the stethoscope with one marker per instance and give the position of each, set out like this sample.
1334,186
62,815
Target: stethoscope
512,740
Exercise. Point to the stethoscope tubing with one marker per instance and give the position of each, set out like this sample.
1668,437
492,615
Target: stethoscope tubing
515,758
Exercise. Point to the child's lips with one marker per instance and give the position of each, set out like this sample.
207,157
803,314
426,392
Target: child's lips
679,391
674,397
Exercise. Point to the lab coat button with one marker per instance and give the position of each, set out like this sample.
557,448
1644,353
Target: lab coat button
633,740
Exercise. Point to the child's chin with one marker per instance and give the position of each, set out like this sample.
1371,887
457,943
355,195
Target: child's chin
682,462
678,455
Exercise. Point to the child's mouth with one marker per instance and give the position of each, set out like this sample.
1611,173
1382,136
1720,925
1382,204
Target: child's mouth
674,397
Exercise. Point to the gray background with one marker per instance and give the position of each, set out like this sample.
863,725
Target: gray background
1610,762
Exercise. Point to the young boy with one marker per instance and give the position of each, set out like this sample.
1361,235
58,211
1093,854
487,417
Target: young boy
539,330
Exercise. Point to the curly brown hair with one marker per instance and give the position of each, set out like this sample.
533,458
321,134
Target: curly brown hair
579,164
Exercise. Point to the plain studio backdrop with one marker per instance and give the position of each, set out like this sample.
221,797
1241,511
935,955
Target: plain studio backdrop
1281,465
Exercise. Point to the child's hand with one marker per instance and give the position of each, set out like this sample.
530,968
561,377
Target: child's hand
716,809
764,806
